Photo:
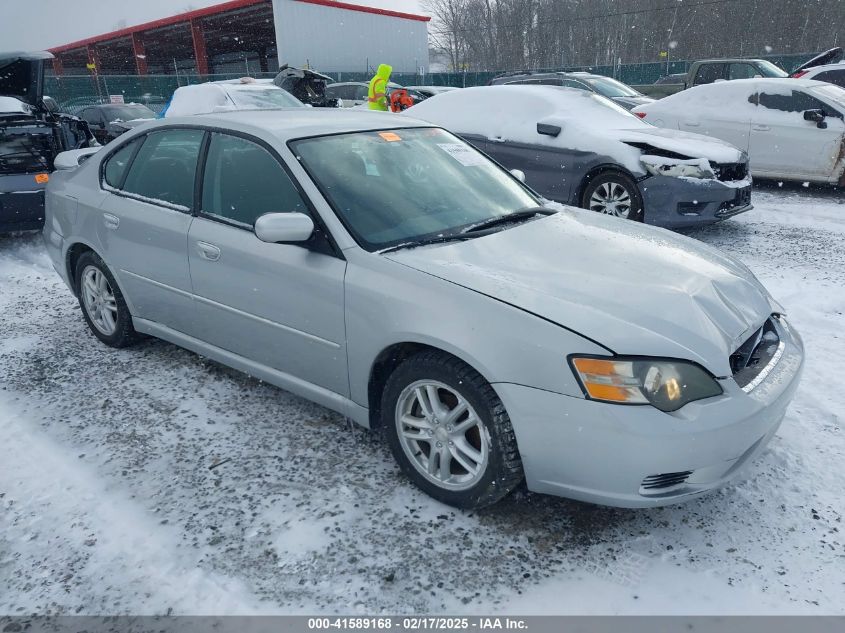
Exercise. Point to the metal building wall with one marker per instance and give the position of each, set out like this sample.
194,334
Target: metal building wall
332,39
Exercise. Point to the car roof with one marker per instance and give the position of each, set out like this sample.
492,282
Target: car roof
292,123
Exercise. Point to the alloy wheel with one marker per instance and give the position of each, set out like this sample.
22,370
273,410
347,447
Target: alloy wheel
99,301
611,198
441,434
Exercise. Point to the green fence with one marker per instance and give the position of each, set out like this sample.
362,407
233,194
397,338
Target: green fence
73,92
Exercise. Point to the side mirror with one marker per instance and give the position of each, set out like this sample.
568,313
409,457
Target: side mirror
547,129
518,174
817,117
284,227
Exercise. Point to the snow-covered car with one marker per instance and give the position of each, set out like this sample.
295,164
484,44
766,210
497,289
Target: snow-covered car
227,96
430,91
579,148
792,129
388,270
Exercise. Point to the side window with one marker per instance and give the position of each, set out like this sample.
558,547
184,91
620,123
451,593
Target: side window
571,83
244,181
361,93
334,92
90,115
708,73
118,162
742,71
165,167
796,102
832,77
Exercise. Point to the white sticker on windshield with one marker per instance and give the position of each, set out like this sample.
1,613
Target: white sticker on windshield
465,155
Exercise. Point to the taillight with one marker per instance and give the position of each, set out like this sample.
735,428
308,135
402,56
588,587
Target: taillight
800,73
640,114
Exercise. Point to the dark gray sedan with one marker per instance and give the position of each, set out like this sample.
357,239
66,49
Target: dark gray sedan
578,148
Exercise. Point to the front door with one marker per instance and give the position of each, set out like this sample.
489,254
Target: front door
280,305
784,145
144,220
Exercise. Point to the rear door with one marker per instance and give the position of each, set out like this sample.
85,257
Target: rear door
783,144
143,228
280,305
722,111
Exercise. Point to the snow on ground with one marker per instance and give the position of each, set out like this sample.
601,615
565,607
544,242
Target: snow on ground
150,480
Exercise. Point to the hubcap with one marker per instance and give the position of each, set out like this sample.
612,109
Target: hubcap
611,198
98,299
442,435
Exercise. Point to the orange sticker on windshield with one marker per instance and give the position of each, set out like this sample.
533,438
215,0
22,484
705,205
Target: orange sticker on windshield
390,137
42,178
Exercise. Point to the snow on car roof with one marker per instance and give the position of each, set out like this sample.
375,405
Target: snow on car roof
291,123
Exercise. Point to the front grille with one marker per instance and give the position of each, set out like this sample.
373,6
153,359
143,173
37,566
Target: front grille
756,354
664,480
730,171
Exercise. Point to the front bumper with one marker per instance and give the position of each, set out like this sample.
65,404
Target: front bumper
681,202
626,455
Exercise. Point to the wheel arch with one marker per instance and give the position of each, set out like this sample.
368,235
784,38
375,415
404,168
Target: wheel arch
598,170
72,256
386,362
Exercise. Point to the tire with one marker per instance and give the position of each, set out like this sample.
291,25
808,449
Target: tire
102,303
476,442
608,193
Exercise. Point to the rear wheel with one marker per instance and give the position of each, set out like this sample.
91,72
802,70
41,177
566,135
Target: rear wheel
102,303
613,193
449,431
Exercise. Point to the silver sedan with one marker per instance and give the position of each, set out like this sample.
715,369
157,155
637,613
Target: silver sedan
401,278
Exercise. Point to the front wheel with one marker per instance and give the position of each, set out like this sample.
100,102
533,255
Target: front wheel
613,193
449,431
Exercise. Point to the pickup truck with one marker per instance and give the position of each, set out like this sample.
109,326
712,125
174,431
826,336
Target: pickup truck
709,70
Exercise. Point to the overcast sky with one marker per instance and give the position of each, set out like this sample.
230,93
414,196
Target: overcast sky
40,24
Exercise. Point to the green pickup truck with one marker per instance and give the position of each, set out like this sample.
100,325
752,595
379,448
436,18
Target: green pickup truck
709,70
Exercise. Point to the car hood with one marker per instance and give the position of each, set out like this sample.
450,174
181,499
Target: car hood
686,143
634,289
828,57
22,75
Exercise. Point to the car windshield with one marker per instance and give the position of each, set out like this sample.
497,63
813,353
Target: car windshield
768,69
611,88
832,93
263,98
128,112
408,185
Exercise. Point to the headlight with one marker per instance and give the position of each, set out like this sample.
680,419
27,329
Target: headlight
665,384
678,168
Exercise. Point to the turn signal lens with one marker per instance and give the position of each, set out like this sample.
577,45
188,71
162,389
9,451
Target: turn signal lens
664,384
42,178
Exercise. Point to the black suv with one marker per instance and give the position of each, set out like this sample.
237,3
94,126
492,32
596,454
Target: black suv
32,134
616,91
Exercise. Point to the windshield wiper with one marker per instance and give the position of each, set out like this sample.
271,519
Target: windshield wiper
459,237
522,214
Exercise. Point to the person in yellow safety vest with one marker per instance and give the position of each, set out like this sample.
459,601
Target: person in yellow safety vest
377,96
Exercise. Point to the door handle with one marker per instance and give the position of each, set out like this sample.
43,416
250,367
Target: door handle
760,128
111,221
692,123
496,139
208,251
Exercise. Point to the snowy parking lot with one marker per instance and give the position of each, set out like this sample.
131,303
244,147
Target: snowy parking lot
149,480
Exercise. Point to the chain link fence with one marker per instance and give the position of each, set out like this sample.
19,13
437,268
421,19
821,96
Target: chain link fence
74,92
